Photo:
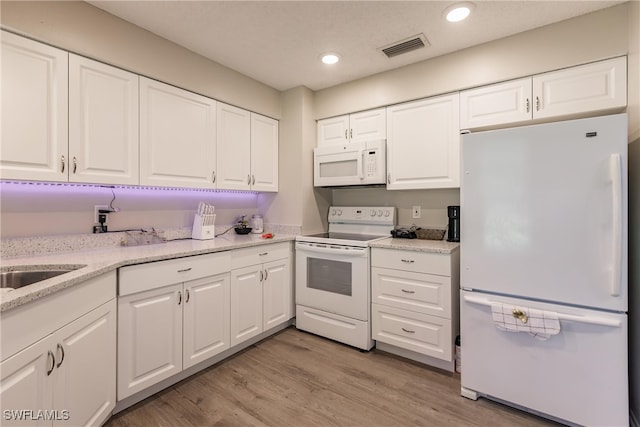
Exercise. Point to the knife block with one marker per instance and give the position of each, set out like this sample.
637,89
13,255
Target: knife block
203,227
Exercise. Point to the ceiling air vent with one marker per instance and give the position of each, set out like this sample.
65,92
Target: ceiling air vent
406,45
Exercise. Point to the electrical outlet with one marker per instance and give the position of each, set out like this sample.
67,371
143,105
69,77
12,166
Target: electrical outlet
416,212
96,208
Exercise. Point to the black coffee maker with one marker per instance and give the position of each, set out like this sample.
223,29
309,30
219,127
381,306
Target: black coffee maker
453,235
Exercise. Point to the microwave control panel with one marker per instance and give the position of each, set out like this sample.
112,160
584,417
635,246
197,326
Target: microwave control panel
371,163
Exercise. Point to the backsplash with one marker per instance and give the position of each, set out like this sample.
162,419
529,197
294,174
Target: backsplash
42,245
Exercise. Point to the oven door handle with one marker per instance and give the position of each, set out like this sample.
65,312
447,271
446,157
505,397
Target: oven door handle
351,252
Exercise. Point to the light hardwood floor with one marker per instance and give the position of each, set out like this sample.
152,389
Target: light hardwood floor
298,379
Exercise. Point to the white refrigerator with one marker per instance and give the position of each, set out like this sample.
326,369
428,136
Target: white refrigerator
543,299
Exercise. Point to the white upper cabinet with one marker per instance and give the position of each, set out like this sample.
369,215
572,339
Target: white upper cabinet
364,126
177,137
103,123
34,110
234,148
499,103
593,87
264,153
596,87
423,144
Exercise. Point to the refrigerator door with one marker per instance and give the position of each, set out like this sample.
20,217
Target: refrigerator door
544,212
578,375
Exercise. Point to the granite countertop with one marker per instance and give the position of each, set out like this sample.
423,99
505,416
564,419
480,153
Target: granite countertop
418,245
99,261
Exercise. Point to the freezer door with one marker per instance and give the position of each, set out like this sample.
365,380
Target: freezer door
579,375
544,212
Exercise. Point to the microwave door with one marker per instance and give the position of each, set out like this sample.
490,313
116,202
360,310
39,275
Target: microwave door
338,168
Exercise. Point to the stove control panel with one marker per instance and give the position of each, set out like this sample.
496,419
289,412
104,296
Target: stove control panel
367,214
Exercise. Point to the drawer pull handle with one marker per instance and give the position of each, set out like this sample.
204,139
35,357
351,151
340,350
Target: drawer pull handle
179,297
408,261
184,270
408,292
408,331
187,299
263,254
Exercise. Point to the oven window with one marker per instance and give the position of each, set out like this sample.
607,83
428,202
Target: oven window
328,275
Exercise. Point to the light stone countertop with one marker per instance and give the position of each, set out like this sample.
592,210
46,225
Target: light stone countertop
100,261
418,245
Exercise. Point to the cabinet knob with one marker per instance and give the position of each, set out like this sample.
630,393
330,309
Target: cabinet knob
261,275
179,297
537,103
62,162
266,274
187,296
213,177
389,178
75,164
253,180
528,104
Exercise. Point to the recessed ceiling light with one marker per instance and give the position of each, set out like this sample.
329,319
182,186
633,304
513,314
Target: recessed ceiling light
330,58
459,11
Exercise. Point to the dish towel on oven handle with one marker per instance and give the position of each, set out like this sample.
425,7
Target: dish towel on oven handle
540,324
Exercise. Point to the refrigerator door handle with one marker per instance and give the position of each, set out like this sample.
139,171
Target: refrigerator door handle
592,320
615,168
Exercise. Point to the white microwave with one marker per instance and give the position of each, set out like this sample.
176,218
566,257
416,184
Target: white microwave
355,163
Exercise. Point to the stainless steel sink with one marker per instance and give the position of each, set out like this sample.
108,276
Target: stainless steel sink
18,278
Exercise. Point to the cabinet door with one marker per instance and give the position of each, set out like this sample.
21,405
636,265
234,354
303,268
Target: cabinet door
264,153
423,144
206,318
593,87
26,384
333,131
34,110
86,367
276,293
103,123
234,148
501,103
246,303
368,125
177,136
149,338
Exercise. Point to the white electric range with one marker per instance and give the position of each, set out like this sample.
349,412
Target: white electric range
333,289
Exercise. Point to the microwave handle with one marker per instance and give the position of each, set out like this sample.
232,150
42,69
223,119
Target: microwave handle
361,165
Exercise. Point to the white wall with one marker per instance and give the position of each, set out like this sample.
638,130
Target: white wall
587,38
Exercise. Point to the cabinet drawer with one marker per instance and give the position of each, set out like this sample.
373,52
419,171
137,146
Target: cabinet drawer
420,262
142,277
421,333
257,255
419,292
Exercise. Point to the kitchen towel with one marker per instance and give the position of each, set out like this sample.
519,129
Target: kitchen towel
540,324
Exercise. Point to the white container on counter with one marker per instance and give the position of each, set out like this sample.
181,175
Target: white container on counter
257,224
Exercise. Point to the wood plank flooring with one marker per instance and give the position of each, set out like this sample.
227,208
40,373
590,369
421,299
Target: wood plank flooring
298,379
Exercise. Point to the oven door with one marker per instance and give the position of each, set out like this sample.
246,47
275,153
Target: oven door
333,278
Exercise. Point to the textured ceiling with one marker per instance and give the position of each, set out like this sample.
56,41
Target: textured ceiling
279,42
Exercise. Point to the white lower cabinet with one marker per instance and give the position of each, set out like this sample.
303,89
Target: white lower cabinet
53,382
261,290
415,304
171,315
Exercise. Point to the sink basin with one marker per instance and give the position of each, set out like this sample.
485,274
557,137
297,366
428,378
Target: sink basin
18,278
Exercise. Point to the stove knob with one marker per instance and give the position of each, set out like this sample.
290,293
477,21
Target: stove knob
386,213
333,212
380,212
372,212
339,212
